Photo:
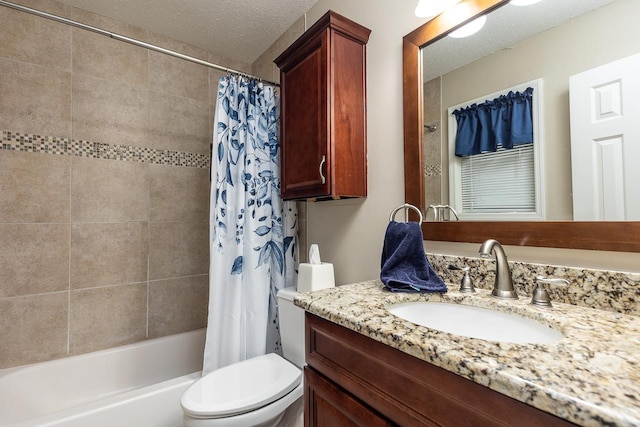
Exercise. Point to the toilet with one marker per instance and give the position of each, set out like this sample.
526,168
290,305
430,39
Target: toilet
256,392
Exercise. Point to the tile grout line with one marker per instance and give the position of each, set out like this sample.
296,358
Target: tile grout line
70,201
149,56
69,271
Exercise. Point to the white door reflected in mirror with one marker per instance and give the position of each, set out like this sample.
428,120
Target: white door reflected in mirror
605,141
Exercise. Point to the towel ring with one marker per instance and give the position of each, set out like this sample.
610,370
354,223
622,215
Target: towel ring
405,206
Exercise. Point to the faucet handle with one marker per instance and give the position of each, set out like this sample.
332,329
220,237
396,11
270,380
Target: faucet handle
466,284
439,211
540,295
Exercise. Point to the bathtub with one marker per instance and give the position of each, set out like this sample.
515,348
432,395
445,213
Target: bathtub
136,385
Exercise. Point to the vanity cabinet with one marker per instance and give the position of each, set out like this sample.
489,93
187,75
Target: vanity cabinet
350,378
323,111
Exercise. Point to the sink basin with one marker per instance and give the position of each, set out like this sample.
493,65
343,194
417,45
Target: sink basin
476,322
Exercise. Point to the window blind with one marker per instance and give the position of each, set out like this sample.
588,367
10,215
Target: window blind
501,181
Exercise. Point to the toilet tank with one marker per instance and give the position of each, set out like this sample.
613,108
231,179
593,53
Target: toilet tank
291,320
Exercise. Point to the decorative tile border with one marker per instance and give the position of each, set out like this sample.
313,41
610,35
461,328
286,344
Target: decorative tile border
601,289
433,170
13,141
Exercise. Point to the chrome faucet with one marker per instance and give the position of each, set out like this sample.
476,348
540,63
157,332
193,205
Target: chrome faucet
503,287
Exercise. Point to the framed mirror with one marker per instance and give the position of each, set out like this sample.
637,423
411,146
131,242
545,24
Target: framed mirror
611,236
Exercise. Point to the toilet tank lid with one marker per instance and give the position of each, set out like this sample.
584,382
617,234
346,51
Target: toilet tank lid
287,293
241,387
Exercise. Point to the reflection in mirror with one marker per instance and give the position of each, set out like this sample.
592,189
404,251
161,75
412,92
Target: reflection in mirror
553,41
603,235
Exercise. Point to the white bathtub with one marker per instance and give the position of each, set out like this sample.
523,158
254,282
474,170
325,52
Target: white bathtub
137,385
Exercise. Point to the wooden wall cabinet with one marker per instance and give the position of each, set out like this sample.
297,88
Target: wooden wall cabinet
353,380
323,111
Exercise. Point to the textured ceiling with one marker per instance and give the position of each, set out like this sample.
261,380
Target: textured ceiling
238,29
244,29
505,27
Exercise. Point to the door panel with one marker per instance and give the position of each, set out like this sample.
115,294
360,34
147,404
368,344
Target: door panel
605,141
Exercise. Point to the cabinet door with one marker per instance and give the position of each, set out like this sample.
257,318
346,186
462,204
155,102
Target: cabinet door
305,144
326,405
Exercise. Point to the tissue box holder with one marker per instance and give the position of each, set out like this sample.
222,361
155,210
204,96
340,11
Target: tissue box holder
313,277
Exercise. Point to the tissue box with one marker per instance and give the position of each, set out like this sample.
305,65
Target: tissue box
313,277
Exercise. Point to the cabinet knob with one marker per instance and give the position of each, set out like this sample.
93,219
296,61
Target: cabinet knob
322,162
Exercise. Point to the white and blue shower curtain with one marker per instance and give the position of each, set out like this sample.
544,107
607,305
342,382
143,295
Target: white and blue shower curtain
252,232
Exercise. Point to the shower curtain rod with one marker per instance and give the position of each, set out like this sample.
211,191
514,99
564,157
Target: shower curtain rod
129,40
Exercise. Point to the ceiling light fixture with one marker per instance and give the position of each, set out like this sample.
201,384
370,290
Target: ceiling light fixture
431,8
470,28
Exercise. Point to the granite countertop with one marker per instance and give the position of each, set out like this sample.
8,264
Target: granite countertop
591,377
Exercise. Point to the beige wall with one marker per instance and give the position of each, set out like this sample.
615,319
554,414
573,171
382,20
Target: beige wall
100,252
350,233
593,39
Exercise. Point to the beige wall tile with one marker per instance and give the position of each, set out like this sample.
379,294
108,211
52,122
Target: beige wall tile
107,317
40,41
433,145
110,59
34,328
177,46
178,305
178,124
108,24
50,6
214,76
303,248
108,254
108,190
109,112
34,187
178,193
433,192
99,56
178,249
432,102
178,77
264,67
34,258
232,64
35,99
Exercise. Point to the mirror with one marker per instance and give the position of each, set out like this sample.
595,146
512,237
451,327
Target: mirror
616,236
555,41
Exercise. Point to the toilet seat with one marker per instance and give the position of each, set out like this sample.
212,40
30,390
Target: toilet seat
241,387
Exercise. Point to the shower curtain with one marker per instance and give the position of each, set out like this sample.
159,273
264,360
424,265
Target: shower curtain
252,232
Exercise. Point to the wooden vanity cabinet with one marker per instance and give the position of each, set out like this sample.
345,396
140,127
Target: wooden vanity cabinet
323,111
353,380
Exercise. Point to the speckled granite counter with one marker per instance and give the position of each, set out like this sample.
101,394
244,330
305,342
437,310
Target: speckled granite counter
592,377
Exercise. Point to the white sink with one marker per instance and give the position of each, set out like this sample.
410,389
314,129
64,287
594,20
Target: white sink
476,322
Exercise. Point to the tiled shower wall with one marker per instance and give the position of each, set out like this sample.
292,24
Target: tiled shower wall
433,144
104,186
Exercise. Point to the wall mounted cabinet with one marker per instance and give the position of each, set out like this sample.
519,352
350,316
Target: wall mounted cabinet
323,111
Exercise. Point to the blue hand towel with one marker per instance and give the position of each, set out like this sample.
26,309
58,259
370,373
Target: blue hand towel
405,267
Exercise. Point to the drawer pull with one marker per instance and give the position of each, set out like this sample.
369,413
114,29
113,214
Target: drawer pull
322,162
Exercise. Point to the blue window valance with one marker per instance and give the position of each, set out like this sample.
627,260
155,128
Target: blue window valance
506,121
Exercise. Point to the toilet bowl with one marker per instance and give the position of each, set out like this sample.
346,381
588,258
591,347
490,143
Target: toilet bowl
255,392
